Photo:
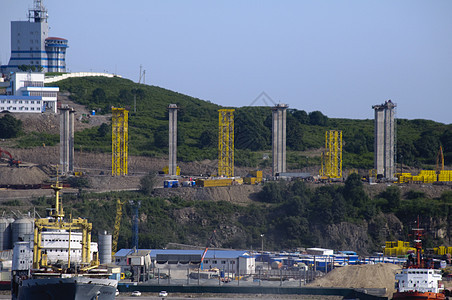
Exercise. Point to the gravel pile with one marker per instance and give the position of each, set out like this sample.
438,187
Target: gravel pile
32,175
361,276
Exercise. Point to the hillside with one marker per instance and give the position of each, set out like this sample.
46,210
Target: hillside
349,216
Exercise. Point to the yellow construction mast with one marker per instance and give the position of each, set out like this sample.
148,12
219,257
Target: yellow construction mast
120,141
332,157
226,143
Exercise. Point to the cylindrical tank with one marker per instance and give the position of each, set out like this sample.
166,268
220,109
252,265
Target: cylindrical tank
104,248
21,228
5,233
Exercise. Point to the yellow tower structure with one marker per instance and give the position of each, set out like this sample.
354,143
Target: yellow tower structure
120,141
332,158
226,143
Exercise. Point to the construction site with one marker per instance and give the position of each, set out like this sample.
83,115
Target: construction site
28,174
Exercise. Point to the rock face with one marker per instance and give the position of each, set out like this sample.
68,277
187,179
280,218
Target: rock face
362,237
346,235
241,195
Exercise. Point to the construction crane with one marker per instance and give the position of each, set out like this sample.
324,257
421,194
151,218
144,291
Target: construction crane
11,161
440,160
207,247
119,205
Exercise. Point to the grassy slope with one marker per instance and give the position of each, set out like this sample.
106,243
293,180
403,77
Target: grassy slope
148,128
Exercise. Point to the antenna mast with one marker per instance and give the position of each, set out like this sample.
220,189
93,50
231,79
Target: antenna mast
38,13
142,75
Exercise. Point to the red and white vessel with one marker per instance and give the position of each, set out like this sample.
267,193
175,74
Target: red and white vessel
418,279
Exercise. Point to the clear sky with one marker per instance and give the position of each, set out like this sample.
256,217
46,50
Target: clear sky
339,56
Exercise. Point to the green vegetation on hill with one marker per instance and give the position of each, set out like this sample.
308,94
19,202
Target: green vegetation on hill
417,140
289,214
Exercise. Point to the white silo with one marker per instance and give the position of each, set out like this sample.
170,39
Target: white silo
22,228
5,233
105,248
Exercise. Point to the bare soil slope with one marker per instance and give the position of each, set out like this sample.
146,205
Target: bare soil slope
361,276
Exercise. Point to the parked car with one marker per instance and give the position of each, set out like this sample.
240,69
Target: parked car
136,294
163,294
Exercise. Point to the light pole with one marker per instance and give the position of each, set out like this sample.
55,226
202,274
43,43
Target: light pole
262,240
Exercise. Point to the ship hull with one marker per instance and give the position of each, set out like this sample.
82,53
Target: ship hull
74,288
418,296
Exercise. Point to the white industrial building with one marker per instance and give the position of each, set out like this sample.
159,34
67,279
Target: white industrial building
231,261
31,45
26,93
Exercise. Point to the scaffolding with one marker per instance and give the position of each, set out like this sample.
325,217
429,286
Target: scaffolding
120,141
226,143
332,157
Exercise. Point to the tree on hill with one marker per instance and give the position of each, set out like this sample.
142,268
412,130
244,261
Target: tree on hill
317,118
10,127
98,95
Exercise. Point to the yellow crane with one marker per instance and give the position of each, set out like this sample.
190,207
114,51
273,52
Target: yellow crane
119,205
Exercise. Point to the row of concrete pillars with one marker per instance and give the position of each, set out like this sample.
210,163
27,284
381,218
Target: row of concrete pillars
278,139
384,144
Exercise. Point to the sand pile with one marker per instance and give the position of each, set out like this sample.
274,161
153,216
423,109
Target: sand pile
361,276
32,175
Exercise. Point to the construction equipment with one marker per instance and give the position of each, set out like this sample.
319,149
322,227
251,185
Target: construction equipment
11,161
332,157
440,160
119,205
210,242
226,143
120,141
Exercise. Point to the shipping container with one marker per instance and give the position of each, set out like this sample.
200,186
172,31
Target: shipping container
171,183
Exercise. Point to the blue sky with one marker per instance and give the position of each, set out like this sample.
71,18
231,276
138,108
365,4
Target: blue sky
339,57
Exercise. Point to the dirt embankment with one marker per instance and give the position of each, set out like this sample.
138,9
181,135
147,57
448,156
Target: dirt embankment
242,195
361,276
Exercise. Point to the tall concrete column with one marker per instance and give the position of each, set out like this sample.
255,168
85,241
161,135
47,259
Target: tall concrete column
67,140
279,138
379,134
389,140
384,139
172,141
